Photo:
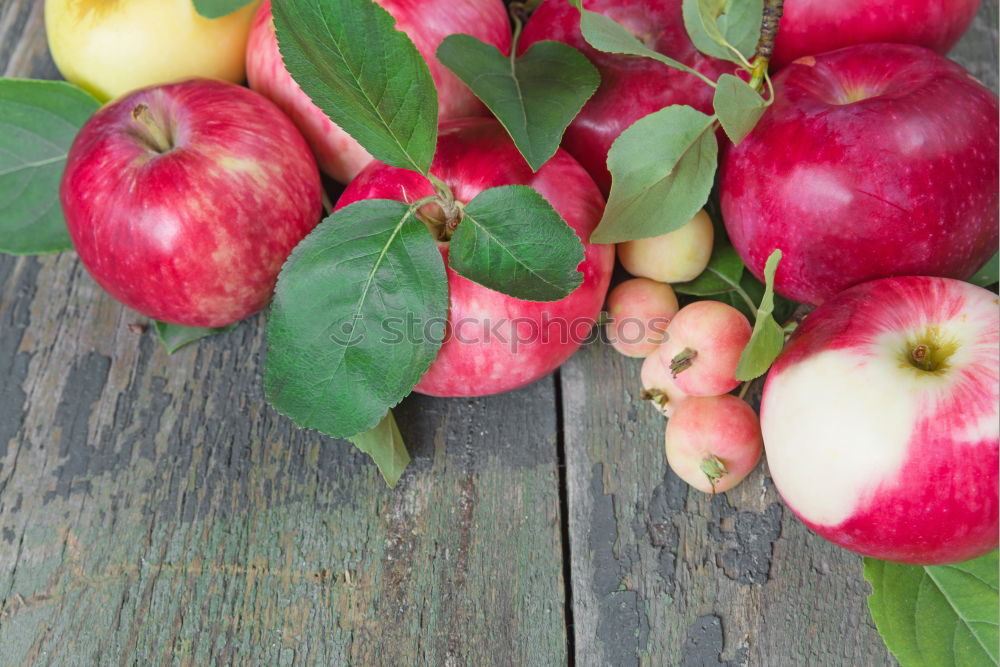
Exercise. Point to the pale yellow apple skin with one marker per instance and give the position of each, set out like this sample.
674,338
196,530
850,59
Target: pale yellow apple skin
671,258
111,47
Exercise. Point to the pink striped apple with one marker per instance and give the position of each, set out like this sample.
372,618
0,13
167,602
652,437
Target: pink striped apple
880,420
184,200
426,22
496,342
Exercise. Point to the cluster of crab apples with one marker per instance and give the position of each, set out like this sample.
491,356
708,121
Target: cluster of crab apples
713,438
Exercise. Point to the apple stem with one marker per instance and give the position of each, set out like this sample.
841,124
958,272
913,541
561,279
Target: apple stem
765,47
714,469
158,139
446,200
682,361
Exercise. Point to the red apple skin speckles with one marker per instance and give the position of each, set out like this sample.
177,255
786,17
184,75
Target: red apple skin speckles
809,27
426,22
875,455
195,235
631,87
902,182
473,155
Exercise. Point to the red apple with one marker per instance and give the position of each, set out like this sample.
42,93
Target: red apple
874,160
881,423
631,87
496,342
184,200
426,22
808,27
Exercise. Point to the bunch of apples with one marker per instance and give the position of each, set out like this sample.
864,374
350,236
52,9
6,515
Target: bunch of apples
713,439
873,165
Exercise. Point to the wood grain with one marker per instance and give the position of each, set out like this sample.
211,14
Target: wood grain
663,575
154,509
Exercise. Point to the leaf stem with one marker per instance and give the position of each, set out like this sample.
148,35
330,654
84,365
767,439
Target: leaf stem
518,13
746,299
701,76
744,389
765,47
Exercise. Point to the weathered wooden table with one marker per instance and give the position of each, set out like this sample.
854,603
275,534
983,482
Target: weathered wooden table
153,508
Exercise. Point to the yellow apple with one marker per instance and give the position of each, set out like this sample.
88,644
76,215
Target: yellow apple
110,47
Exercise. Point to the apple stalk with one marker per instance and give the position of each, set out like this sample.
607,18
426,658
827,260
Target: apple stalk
765,47
152,133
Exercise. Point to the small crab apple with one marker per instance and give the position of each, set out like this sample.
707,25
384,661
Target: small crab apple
703,345
658,385
713,442
675,257
640,310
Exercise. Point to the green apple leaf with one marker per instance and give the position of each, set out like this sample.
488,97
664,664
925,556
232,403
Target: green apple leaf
768,337
367,267
738,107
723,274
604,34
366,75
534,96
38,122
511,240
213,9
176,336
662,170
987,274
937,616
719,27
384,443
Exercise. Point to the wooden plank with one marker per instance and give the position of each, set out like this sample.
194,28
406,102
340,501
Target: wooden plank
666,576
153,509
